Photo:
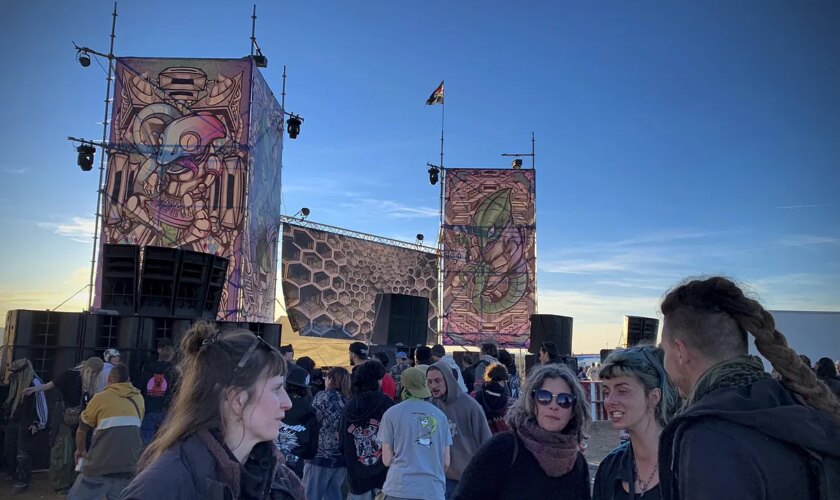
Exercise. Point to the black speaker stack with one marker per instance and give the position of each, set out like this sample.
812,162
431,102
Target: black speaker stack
551,328
639,330
401,320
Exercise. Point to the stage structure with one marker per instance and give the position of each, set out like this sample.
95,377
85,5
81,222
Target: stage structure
331,277
489,252
195,163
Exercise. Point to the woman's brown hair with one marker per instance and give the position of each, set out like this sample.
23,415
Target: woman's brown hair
702,308
213,363
340,380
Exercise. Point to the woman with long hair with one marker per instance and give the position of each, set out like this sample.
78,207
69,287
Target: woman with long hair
741,434
75,387
827,373
217,440
25,417
539,455
324,475
639,399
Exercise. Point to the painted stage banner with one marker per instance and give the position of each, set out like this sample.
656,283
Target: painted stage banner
195,164
330,281
489,290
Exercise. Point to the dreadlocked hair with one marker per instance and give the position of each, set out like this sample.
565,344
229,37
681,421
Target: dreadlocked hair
715,316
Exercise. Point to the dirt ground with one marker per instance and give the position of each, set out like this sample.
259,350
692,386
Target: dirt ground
602,440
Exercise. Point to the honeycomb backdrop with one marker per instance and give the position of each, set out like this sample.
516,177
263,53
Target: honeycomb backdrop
330,281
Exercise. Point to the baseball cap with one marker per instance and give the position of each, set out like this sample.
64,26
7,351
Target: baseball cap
297,376
414,381
359,349
110,353
287,348
402,355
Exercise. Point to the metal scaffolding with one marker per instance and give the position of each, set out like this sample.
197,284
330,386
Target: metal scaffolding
287,219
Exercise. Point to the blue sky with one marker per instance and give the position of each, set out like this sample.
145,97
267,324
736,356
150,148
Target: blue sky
673,138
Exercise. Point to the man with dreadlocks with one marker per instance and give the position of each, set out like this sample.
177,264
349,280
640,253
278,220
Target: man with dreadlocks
26,417
742,434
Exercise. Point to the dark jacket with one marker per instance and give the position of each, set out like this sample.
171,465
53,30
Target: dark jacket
201,468
298,439
496,474
616,468
747,443
357,434
833,385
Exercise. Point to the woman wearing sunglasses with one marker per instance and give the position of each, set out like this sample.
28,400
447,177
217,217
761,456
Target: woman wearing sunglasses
217,440
639,399
539,455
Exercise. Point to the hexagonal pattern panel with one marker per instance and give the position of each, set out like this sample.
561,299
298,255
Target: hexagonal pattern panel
330,281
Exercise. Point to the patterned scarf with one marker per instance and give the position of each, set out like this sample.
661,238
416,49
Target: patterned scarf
736,372
555,452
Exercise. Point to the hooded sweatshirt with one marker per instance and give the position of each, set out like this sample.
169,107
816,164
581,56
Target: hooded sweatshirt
115,415
453,365
756,433
357,434
466,422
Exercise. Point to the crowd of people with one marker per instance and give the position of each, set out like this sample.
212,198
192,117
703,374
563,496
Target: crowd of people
227,415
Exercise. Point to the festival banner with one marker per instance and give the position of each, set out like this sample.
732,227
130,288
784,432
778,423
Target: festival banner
489,289
191,161
330,281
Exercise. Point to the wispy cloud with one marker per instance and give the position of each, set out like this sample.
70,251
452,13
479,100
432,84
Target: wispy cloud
391,209
658,253
78,229
801,240
817,205
15,171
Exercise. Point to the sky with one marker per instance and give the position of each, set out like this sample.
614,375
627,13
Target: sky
673,139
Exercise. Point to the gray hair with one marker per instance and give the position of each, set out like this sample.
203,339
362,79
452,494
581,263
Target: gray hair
645,364
524,410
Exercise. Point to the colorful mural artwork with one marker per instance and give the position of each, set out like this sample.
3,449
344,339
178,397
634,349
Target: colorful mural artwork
191,156
330,281
489,289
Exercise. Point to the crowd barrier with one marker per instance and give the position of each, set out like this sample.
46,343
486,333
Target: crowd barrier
595,397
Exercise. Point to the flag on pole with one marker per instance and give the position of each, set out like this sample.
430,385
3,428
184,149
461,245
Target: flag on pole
437,95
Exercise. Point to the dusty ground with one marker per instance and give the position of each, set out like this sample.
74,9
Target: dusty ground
602,440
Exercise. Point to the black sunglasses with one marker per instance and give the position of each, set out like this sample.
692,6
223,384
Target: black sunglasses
647,352
544,398
258,341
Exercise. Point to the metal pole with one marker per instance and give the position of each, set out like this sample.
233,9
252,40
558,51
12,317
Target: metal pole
253,29
100,187
441,275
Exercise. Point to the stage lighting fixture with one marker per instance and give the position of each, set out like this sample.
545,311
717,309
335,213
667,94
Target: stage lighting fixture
304,211
517,164
433,175
85,158
83,57
420,238
260,60
293,126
